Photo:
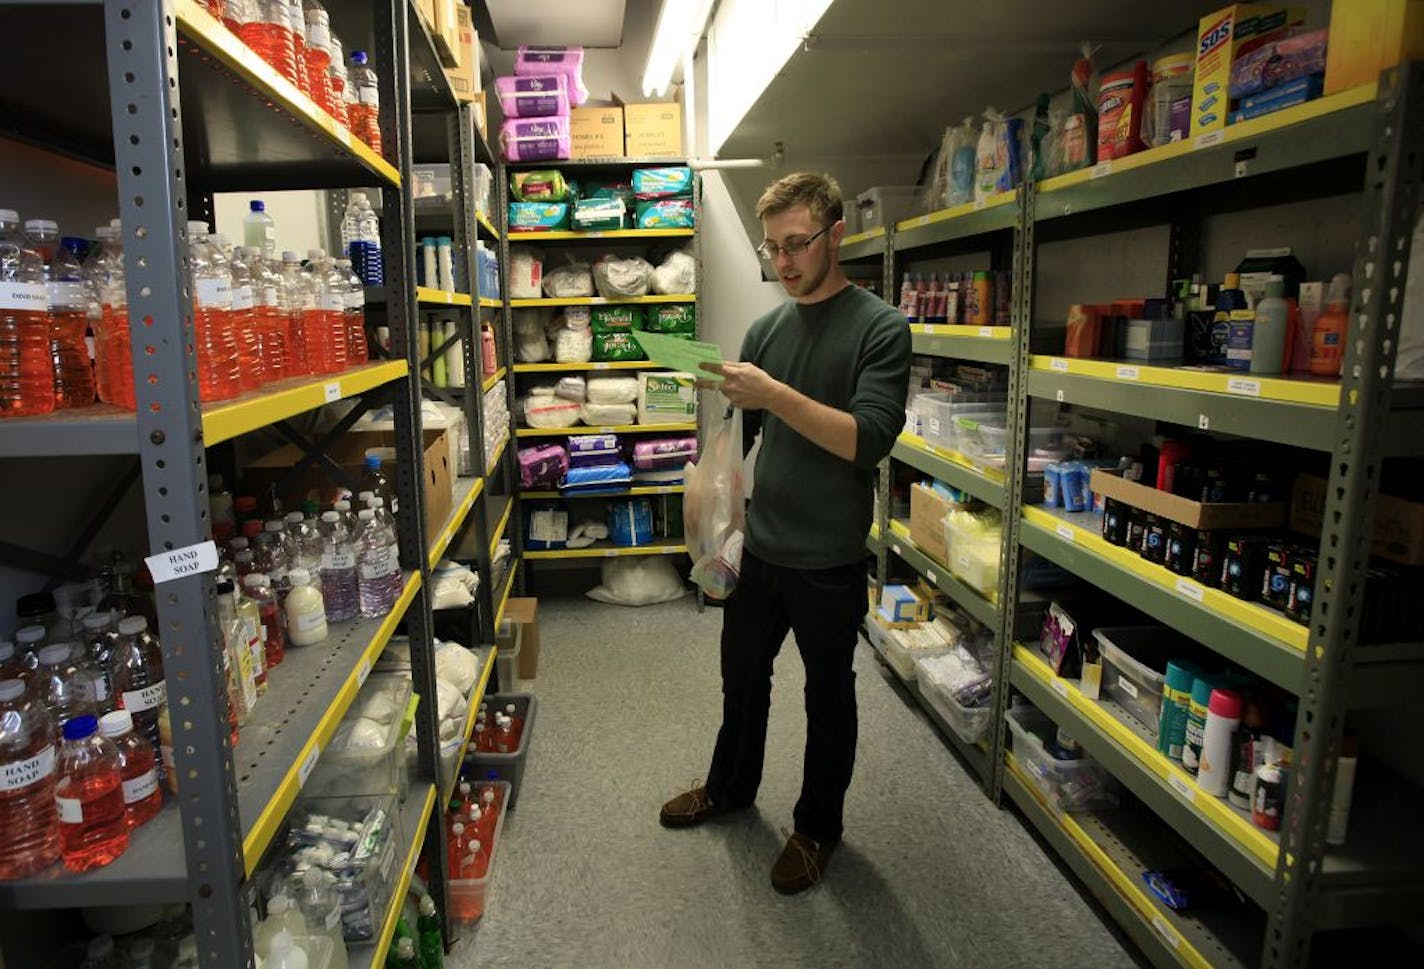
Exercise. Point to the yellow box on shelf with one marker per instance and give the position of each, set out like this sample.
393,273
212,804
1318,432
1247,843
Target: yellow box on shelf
1267,622
287,398
958,211
1240,131
612,429
472,488
599,301
265,828
601,550
441,297
1217,811
1304,390
611,234
493,379
209,33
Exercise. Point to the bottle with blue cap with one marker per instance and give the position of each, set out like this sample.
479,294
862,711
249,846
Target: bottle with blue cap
258,229
89,797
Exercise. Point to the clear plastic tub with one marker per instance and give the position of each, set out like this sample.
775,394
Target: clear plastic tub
974,556
506,662
938,411
1070,785
1134,664
483,766
467,895
902,659
971,724
354,762
366,897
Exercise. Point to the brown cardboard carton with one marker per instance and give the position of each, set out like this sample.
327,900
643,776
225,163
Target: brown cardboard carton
653,130
465,77
596,132
524,612
927,511
1368,36
1206,516
1399,523
447,32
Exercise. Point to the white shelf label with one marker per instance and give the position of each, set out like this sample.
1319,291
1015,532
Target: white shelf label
1059,687
1180,785
1058,396
1127,373
1101,169
601,365
986,331
333,391
930,574
189,560
606,430
1191,590
363,671
609,553
308,765
1166,931
1065,532
1209,139
1240,385
895,547
1058,364
1203,422
1127,687
979,205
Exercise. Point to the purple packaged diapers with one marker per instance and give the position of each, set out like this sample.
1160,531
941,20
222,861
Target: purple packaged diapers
664,454
543,465
593,450
533,97
535,139
534,60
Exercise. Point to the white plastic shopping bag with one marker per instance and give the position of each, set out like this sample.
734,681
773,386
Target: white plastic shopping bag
714,507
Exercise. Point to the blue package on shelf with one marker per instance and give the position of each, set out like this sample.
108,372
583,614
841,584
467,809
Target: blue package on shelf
1295,92
630,522
652,183
546,527
593,450
609,478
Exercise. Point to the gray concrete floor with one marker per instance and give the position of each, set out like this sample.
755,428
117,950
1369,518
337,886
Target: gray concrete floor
930,873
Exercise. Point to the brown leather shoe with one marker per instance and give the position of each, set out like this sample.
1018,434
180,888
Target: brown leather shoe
801,865
688,809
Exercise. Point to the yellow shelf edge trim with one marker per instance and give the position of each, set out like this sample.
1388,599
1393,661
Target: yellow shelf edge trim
499,529
215,39
1215,810
592,365
607,234
270,820
441,297
487,225
233,418
1266,622
957,212
1124,884
635,492
954,331
599,553
498,456
610,429
1318,393
990,475
491,304
600,301
493,379
1240,131
397,902
504,596
457,518
859,237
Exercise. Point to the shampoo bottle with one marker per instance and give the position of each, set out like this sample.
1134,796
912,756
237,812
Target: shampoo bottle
1328,336
1271,328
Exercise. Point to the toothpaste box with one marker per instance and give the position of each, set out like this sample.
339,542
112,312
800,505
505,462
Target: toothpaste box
1222,38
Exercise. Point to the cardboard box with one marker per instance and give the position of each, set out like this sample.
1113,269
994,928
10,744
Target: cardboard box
464,77
596,132
927,511
1222,38
1368,36
523,613
349,452
427,13
1164,504
653,130
447,31
480,111
1399,523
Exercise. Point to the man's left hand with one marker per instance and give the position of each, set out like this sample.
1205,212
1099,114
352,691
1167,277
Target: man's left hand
745,385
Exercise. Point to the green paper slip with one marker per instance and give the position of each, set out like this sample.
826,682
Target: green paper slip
669,351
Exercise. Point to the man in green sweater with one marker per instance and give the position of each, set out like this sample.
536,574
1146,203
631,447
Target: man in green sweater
823,379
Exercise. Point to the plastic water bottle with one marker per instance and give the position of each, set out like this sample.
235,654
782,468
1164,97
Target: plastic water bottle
284,953
296,18
365,112
309,542
212,312
26,365
136,669
277,557
270,325
338,569
377,505
300,303
318,53
233,13
330,288
375,274
258,229
321,905
336,78
379,579
112,355
89,797
65,685
138,768
29,833
377,483
354,314
257,588
251,372
100,640
269,34
68,321
94,268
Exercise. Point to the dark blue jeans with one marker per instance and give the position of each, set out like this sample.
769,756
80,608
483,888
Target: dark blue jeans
823,607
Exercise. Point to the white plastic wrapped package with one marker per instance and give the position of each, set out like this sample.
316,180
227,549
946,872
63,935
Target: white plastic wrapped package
450,702
713,509
531,343
526,273
632,581
568,281
456,665
612,390
572,388
676,276
622,278
585,534
571,336
450,589
550,412
606,415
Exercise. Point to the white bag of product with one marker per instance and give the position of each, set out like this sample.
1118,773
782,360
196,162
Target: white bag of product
622,278
572,388
526,273
569,281
676,276
612,390
634,581
572,336
987,163
586,533
456,665
548,413
1410,363
531,343
604,415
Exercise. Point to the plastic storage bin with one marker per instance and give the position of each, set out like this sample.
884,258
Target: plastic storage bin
482,766
974,557
1070,785
971,724
901,659
1134,663
467,895
884,205
506,660
352,763
366,893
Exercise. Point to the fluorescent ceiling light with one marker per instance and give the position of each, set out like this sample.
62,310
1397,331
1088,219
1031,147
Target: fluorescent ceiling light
680,26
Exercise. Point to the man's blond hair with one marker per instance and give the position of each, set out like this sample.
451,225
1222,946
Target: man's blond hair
821,194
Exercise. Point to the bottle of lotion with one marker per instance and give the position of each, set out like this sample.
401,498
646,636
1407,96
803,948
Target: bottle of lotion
1270,330
1328,337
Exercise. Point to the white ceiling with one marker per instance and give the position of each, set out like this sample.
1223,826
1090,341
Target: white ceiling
592,23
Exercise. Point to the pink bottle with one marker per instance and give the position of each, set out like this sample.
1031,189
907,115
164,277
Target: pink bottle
89,797
26,365
29,827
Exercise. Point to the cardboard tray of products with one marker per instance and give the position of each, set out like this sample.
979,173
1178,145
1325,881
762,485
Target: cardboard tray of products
1197,514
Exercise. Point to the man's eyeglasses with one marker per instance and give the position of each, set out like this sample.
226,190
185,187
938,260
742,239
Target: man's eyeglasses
794,247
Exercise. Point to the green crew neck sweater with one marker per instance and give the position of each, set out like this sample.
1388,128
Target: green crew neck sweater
809,508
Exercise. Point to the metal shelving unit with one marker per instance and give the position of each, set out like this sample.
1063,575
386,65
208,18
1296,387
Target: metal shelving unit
1365,140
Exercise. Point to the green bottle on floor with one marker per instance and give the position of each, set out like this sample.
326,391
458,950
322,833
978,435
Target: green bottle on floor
432,946
404,956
